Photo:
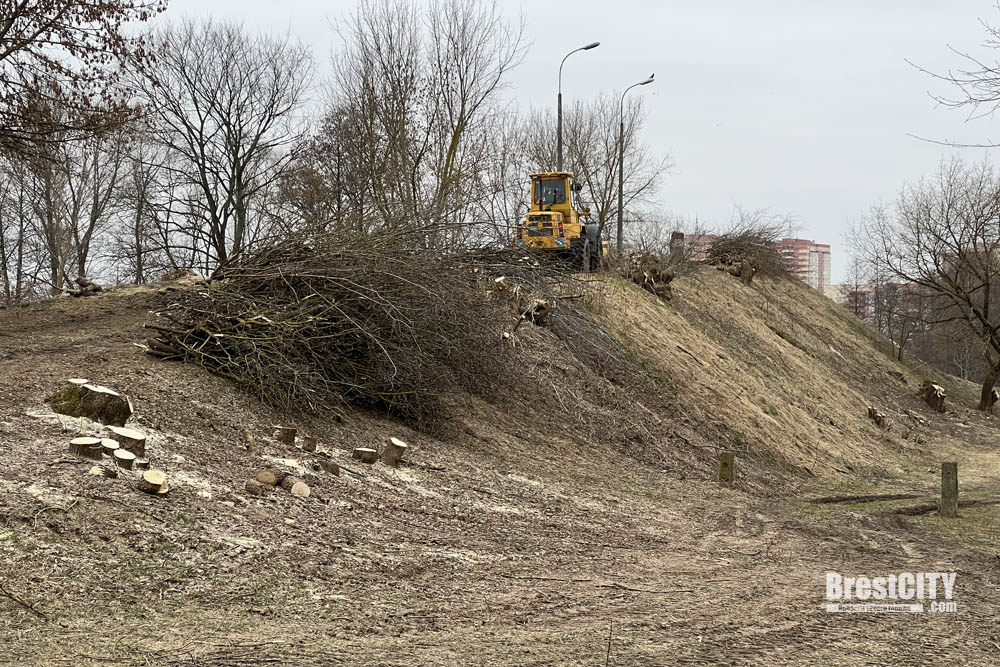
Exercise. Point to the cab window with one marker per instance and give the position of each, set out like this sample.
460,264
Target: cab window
550,191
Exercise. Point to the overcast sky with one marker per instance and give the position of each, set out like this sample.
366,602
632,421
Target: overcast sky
799,106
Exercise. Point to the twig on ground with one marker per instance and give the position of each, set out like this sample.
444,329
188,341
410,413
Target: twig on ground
54,507
70,461
24,604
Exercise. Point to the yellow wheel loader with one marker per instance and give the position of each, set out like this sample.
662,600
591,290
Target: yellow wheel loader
553,224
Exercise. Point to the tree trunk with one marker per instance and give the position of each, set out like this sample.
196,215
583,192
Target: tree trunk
986,394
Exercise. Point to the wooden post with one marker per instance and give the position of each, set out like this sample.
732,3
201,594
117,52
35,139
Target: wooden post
727,467
949,490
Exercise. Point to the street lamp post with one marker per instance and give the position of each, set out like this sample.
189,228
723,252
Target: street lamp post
559,160
621,157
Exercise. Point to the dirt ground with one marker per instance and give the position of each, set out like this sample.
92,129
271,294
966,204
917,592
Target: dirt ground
493,546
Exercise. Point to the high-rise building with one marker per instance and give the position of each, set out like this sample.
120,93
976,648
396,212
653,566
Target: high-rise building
808,261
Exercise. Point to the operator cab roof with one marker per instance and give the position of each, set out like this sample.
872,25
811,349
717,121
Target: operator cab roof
551,174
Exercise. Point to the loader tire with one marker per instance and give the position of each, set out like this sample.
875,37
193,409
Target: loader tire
576,254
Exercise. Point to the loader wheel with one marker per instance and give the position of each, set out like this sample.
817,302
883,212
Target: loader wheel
594,255
576,254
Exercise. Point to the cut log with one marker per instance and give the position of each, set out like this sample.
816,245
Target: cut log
86,448
365,455
124,458
87,287
109,446
271,477
393,452
309,443
129,439
67,401
295,486
109,471
141,464
255,488
151,481
285,435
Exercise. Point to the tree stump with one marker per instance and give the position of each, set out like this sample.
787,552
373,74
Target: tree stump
92,401
129,439
365,455
393,452
86,448
109,446
295,486
141,464
124,458
933,395
153,481
309,443
285,435
109,471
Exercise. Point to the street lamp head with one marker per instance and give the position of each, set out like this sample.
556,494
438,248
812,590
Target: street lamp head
649,80
592,45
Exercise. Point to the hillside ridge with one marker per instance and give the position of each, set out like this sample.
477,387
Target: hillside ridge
516,532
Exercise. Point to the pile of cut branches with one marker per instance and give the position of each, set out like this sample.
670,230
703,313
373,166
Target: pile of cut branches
316,322
754,240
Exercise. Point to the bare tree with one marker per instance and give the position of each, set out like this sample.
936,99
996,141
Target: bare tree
416,89
858,296
73,48
227,106
943,235
20,251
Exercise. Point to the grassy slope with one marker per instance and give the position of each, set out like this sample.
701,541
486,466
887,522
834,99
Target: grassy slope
510,538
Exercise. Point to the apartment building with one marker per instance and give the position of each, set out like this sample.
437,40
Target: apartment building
808,261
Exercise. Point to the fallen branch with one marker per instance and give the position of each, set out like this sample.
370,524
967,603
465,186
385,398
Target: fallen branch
568,581
865,499
933,507
643,590
24,604
690,354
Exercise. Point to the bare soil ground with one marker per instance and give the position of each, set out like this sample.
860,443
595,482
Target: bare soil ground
502,542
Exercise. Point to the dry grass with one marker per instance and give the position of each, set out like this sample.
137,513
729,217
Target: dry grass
507,541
